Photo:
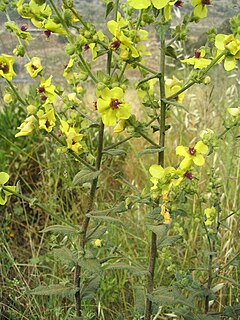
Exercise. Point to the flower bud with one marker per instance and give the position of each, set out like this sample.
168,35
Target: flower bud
70,49
19,51
7,98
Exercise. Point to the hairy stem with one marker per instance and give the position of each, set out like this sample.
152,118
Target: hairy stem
153,248
77,276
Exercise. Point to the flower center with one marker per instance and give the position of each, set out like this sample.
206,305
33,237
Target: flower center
23,28
115,104
34,67
115,45
206,2
197,54
47,33
4,67
41,89
188,175
192,151
179,4
86,47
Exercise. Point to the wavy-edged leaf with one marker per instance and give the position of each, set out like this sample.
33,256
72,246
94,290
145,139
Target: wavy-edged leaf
91,264
66,256
168,241
151,150
96,233
54,289
115,152
58,228
159,230
133,269
85,175
104,218
89,289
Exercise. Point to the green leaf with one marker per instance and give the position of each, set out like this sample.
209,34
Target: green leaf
54,289
151,150
89,289
115,152
133,269
139,297
96,233
61,229
109,8
168,241
104,218
162,296
85,175
66,256
160,230
91,264
170,51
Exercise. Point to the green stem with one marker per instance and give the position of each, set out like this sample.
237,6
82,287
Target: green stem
16,94
114,145
145,68
72,152
162,124
86,67
77,276
116,10
187,86
60,17
29,201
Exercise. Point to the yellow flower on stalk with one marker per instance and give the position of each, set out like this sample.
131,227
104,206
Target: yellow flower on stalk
120,127
97,243
26,127
200,7
73,138
20,32
232,45
210,214
165,214
120,40
7,98
198,61
172,86
235,112
111,106
192,155
34,67
144,4
47,90
6,67
4,177
46,120
161,177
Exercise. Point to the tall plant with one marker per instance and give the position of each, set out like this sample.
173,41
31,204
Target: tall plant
59,112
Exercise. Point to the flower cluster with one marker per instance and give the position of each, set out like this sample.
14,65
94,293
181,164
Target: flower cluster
165,179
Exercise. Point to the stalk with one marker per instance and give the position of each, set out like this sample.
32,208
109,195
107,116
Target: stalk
162,122
92,194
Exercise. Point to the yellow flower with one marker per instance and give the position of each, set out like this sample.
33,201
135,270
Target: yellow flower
235,112
192,155
172,86
4,177
111,106
34,67
200,7
98,243
6,67
47,90
120,127
165,214
7,98
73,138
232,45
198,61
26,127
46,120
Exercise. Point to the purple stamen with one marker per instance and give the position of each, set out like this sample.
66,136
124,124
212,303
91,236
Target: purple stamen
41,89
197,54
86,47
179,4
43,98
23,28
188,175
47,33
115,104
115,45
192,151
206,2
